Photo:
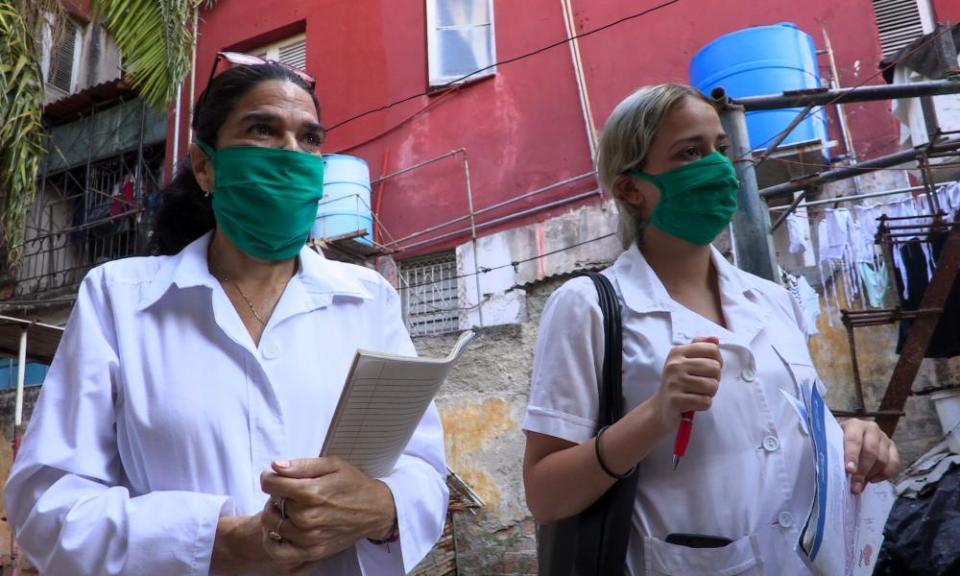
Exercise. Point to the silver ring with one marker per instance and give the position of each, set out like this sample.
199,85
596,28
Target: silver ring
281,505
275,533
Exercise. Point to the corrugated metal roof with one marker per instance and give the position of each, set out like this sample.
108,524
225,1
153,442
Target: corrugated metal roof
42,339
74,105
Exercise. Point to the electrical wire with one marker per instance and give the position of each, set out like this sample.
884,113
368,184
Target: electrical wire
514,264
454,85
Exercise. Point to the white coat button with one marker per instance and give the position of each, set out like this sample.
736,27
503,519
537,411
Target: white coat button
770,443
748,374
785,519
271,350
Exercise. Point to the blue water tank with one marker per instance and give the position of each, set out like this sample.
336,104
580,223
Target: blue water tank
760,61
345,206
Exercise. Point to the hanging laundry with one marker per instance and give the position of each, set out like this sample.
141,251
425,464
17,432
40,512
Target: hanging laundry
867,225
807,301
828,254
838,250
906,210
949,198
945,342
798,227
875,281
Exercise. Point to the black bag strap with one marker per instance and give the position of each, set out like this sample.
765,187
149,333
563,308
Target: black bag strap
595,542
610,386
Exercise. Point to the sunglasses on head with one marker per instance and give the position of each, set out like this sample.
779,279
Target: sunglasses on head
241,59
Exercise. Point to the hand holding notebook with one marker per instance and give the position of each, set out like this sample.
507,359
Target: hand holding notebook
382,402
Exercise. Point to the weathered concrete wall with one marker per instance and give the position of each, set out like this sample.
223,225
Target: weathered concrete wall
482,406
7,404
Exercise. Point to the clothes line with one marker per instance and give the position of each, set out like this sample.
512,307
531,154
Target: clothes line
853,198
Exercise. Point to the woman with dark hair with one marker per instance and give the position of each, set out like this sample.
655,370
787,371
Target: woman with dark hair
176,428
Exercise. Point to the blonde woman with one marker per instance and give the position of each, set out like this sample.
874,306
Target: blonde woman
698,335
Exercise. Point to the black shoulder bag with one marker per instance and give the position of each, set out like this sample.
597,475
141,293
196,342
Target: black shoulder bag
594,542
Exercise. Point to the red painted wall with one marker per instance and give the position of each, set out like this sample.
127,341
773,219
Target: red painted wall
523,128
946,10
663,43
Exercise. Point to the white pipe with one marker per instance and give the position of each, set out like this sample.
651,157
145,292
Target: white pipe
473,237
21,376
841,113
176,131
570,26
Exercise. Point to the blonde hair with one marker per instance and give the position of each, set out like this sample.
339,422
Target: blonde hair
626,140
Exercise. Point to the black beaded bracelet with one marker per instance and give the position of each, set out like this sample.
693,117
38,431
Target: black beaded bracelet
609,472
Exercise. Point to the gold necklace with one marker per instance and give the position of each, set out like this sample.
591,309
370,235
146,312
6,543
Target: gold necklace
249,303
218,276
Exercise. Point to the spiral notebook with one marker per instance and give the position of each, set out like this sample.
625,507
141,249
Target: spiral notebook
382,402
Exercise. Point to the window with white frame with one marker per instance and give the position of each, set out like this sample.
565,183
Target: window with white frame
64,57
460,40
291,51
900,22
428,292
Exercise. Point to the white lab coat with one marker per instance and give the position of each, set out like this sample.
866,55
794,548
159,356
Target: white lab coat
159,413
748,473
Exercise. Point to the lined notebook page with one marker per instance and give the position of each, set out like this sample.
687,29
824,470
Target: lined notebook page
382,403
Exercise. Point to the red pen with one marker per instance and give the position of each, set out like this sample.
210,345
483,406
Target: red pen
683,437
686,420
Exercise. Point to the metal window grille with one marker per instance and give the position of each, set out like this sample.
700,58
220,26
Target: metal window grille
460,39
428,290
61,58
898,22
82,219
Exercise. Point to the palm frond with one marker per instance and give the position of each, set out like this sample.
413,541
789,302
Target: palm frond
155,39
21,125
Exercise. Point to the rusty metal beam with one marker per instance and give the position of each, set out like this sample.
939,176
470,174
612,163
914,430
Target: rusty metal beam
824,97
921,331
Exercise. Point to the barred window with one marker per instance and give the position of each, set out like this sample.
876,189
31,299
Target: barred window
428,290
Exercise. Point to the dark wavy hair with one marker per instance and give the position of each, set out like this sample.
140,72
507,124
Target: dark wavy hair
185,212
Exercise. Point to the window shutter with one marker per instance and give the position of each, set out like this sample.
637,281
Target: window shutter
61,58
294,55
898,22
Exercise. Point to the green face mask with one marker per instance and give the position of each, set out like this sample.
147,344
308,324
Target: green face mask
265,199
697,200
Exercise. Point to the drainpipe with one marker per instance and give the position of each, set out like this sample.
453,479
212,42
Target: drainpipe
841,112
574,44
176,132
473,237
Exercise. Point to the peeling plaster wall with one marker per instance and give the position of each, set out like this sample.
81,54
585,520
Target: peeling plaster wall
482,406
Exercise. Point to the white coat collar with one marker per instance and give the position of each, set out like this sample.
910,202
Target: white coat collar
643,293
315,284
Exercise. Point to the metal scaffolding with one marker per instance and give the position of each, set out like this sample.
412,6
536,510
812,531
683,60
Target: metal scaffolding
753,238
91,212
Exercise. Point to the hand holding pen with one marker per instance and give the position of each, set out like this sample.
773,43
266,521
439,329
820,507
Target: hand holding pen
691,378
